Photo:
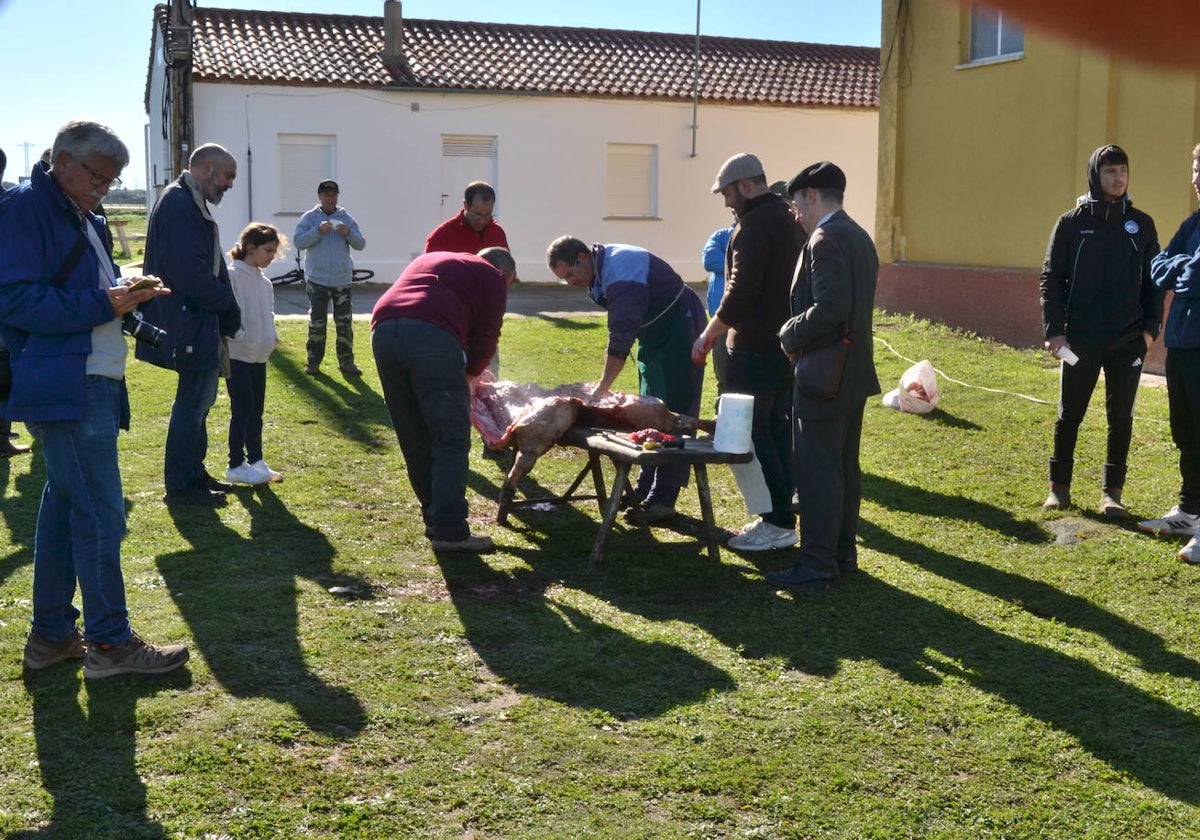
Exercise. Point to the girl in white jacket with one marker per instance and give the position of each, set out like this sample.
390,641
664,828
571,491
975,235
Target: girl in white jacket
248,352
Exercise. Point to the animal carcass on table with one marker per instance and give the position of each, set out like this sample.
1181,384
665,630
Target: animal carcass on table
532,419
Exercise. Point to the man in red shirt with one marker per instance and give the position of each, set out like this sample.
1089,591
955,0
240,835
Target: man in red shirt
432,334
471,229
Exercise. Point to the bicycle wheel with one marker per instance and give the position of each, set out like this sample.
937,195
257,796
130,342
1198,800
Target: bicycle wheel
361,274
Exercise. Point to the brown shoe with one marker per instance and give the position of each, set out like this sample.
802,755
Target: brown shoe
350,369
42,653
474,544
312,369
1110,504
1059,498
133,656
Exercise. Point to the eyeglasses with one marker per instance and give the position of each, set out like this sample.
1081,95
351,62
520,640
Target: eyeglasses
99,179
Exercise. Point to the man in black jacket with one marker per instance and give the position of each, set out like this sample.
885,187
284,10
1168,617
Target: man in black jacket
1100,311
759,262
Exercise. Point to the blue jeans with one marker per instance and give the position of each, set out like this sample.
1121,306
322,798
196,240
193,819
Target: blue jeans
81,522
421,369
187,432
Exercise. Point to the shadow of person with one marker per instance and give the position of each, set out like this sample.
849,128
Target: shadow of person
87,757
239,597
546,647
910,498
20,510
348,405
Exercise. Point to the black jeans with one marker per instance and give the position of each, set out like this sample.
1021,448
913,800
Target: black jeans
1183,393
421,369
1122,368
247,387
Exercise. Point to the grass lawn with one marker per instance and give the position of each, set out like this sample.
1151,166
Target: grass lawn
992,672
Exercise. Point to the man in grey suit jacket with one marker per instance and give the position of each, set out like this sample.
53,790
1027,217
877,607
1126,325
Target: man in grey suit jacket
834,289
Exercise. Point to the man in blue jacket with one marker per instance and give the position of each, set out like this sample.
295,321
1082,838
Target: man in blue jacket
183,247
1177,269
328,233
61,306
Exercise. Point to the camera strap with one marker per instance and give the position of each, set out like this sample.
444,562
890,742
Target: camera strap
72,260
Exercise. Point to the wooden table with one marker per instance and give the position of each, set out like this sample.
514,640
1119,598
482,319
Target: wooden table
605,443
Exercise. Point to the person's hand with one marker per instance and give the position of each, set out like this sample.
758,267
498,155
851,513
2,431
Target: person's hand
1149,339
342,229
1055,343
325,227
124,299
599,391
701,348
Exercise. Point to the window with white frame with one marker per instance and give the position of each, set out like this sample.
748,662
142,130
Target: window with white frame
631,185
994,35
305,160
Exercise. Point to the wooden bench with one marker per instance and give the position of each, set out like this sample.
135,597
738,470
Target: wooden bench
605,443
117,226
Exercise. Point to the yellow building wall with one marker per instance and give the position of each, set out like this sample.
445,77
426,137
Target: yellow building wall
976,162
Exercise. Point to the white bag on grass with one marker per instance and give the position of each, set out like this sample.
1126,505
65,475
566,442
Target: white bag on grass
918,392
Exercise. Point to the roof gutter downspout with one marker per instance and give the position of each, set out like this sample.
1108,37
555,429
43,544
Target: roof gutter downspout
696,83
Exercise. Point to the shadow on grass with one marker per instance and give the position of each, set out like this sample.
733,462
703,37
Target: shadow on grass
239,597
572,324
20,511
87,756
550,649
353,409
909,498
945,418
1124,726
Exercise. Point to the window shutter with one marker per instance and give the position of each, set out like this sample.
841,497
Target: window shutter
305,160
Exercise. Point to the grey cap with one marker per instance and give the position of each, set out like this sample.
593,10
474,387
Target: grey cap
739,166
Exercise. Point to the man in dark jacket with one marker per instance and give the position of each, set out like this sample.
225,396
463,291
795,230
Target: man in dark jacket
759,262
61,307
1177,269
1100,311
832,300
183,248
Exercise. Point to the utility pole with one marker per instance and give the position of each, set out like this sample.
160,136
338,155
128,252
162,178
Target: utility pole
27,146
180,18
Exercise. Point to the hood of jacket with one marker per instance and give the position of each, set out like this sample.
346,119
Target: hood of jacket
1094,197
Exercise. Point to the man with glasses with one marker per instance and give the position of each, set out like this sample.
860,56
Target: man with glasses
183,247
61,307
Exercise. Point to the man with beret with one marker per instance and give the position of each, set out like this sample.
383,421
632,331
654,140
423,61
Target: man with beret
328,233
759,262
832,299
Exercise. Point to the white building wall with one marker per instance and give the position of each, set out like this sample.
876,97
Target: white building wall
551,163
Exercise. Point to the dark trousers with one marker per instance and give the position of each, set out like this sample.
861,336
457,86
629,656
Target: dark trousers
1122,368
247,387
1183,394
343,322
421,369
768,378
830,482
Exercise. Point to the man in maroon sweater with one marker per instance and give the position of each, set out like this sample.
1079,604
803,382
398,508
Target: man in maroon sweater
432,334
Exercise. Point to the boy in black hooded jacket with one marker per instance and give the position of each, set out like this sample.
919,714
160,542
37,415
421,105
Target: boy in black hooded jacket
1099,303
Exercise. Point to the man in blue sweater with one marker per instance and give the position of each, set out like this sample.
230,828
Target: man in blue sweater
1177,268
61,306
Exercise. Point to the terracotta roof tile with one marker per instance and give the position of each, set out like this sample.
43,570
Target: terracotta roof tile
344,51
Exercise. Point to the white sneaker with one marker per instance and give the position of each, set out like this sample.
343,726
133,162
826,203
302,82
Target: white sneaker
1174,522
761,535
270,474
243,473
1190,553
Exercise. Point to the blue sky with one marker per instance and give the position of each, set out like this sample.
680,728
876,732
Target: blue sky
88,58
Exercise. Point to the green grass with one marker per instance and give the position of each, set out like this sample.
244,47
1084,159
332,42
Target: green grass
980,678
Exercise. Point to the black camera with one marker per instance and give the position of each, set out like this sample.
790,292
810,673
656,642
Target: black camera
137,326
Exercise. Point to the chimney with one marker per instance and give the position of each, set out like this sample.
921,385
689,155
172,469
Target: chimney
393,32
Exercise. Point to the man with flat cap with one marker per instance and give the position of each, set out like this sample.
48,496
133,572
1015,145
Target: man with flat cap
759,262
833,297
